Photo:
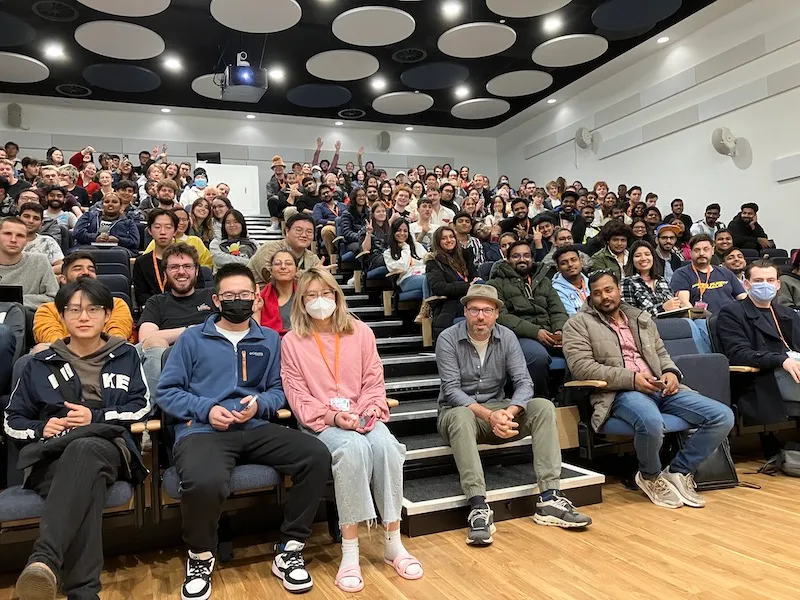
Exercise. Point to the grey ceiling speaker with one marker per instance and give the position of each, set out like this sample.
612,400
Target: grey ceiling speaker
14,117
588,140
384,141
724,141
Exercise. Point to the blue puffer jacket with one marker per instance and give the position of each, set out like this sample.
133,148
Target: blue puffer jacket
124,229
353,226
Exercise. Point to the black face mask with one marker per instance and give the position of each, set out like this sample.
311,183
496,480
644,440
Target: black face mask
236,311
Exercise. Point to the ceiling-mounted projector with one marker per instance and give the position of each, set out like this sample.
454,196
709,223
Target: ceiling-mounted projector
243,83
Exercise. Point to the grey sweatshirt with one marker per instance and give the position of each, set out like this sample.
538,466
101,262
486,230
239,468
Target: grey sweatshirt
34,273
89,368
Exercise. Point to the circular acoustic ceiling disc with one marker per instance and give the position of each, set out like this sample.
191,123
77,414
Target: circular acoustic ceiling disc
205,86
520,9
126,8
480,108
342,65
122,78
616,36
117,39
569,50
435,76
256,16
627,15
373,26
319,95
476,40
17,68
519,83
16,32
402,103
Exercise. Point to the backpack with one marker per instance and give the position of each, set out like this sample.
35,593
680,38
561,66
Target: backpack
786,461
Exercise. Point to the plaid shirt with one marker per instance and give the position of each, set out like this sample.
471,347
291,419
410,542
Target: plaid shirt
637,293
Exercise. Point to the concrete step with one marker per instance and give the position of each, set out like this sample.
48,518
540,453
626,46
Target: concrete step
417,363
417,383
399,343
414,410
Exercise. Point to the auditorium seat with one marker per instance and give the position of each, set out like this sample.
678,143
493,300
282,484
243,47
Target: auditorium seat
17,503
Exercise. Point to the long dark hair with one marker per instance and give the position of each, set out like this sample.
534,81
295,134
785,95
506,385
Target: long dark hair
656,270
353,207
240,218
455,259
394,247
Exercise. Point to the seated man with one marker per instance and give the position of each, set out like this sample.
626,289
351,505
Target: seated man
80,395
702,285
620,344
148,269
31,271
666,236
108,226
54,204
299,235
31,214
615,237
519,223
472,411
735,262
746,231
571,285
166,316
533,310
48,326
758,332
723,241
563,238
224,421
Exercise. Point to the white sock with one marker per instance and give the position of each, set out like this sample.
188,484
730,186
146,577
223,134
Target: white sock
393,547
349,557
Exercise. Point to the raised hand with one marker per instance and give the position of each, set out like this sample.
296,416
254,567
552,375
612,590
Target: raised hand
361,151
337,146
320,141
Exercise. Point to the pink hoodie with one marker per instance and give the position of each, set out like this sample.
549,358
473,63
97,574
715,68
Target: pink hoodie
309,384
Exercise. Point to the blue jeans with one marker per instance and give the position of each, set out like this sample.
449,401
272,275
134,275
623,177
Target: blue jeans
712,419
411,283
538,360
700,335
8,344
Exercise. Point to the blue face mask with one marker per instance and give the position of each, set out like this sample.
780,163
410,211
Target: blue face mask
200,182
763,291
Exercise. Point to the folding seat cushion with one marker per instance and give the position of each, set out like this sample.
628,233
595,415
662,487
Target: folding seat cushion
17,503
244,478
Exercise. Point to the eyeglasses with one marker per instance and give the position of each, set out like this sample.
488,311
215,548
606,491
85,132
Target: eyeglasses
304,232
93,310
329,294
176,268
516,256
486,312
227,296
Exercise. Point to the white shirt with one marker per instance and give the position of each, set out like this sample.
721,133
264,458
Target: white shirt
415,229
480,347
702,227
442,217
406,263
44,244
234,337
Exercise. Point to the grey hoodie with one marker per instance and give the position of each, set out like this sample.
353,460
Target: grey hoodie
88,368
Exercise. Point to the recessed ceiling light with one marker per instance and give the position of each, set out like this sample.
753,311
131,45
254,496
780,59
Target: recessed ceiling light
173,64
339,123
54,51
409,129
166,110
378,83
276,74
663,40
462,91
451,9
552,24
552,101
251,116
502,21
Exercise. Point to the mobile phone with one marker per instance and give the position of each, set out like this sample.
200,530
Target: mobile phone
659,384
364,421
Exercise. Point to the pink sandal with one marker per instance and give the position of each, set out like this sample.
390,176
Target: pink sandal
402,563
351,571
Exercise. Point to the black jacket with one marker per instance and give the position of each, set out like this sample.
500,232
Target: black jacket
743,236
749,339
578,228
444,281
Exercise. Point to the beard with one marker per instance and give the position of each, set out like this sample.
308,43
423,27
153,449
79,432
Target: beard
523,269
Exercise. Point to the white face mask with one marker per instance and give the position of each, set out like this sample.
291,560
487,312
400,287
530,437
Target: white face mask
321,308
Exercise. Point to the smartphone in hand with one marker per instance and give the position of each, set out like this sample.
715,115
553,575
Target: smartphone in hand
364,421
659,384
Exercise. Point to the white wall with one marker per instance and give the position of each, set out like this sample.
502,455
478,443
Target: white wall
727,70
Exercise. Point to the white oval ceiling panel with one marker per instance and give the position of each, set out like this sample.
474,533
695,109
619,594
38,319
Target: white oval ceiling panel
402,103
519,83
476,40
520,9
569,50
18,68
117,39
480,108
342,65
256,16
373,26
205,86
128,8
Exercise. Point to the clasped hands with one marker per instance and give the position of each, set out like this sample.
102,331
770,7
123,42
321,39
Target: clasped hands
503,424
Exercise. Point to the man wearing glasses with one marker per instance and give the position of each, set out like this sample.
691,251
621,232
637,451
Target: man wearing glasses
299,236
474,359
666,236
166,316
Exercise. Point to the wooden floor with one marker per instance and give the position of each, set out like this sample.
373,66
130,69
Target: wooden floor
742,546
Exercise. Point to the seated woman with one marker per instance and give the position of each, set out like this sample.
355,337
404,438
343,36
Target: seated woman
200,224
353,225
644,285
376,236
640,231
78,440
449,271
499,212
682,245
203,255
236,246
277,296
220,206
333,381
406,256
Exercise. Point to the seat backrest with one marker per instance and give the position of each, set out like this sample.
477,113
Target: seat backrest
775,253
66,239
109,255
750,253
207,279
713,333
114,269
12,315
115,282
677,336
125,298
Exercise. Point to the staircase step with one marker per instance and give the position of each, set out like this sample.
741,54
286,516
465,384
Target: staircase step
412,383
399,342
431,445
413,410
383,329
417,363
367,311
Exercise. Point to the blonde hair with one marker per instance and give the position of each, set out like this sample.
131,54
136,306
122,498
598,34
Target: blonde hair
70,171
341,320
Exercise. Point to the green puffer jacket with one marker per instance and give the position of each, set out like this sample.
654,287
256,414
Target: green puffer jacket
528,309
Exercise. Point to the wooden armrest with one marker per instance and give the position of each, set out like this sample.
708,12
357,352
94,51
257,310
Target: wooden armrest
392,402
743,369
338,239
362,254
394,273
151,425
283,413
132,260
579,383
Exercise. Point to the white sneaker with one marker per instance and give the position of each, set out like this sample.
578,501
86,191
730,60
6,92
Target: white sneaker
274,227
197,585
290,567
660,491
686,488
351,281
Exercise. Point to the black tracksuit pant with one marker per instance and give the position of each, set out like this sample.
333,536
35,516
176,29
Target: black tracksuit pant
205,462
74,487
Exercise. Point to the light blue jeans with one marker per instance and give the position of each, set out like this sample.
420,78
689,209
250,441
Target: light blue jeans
151,365
411,283
361,461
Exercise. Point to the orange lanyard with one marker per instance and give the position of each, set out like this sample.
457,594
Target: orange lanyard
161,282
777,325
335,370
700,285
335,209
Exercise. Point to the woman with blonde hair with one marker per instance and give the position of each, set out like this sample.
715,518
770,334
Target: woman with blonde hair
343,403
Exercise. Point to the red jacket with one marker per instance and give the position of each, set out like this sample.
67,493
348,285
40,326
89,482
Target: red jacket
270,313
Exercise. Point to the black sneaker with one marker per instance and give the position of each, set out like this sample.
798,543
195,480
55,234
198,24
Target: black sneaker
197,585
290,567
481,527
558,511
